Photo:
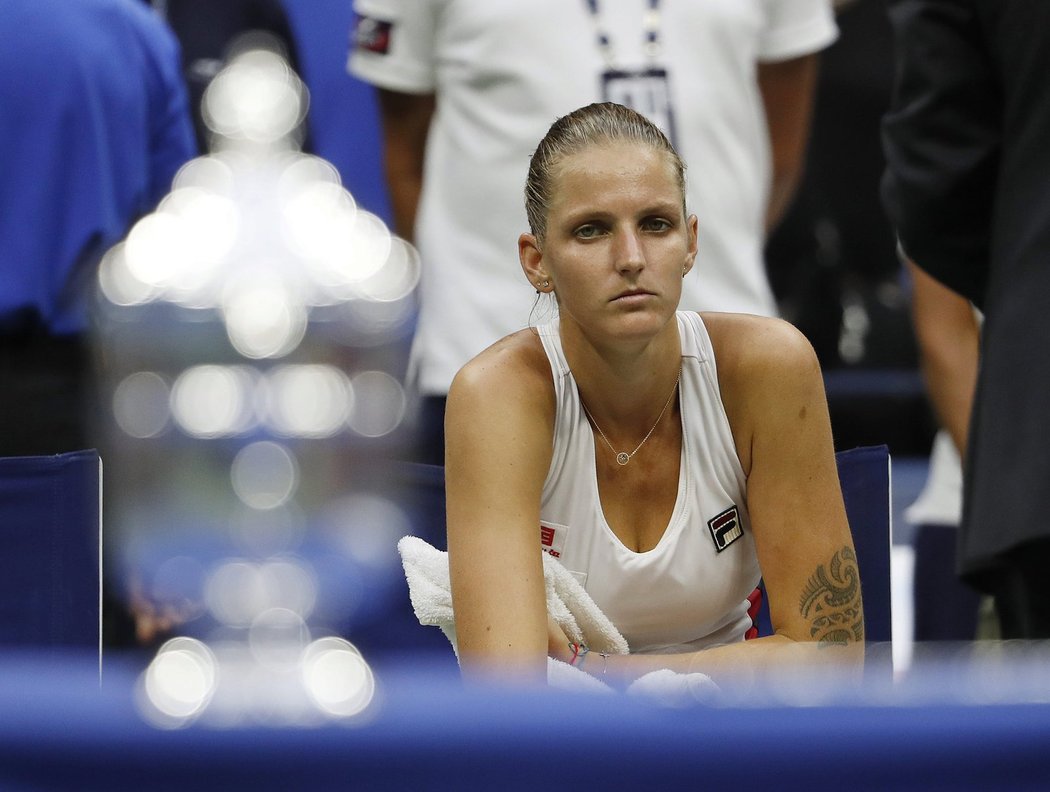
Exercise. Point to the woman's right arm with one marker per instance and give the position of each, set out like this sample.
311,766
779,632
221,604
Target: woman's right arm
498,444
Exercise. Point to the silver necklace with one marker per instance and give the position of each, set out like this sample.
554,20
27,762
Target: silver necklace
622,457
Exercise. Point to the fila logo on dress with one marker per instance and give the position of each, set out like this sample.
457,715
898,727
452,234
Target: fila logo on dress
725,528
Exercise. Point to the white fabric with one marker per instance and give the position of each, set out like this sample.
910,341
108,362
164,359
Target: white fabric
429,589
504,70
940,502
426,570
697,593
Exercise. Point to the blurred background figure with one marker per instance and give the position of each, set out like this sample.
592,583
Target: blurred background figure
211,32
93,126
466,87
832,262
966,188
948,333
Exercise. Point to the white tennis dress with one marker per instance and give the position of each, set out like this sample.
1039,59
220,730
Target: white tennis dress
690,591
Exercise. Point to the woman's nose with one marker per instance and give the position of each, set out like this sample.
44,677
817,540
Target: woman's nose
630,254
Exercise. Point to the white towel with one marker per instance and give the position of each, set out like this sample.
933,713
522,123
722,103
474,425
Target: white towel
429,588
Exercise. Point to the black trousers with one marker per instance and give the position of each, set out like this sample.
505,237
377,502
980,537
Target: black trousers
1022,592
946,608
46,394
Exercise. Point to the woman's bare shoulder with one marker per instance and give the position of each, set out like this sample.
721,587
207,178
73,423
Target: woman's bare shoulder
499,417
516,366
764,367
745,344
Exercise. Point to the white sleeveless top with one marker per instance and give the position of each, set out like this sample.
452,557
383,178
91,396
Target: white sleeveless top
690,591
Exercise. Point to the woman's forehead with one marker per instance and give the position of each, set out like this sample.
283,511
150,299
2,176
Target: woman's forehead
615,150
618,161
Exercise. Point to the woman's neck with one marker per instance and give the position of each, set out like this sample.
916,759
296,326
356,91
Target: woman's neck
624,383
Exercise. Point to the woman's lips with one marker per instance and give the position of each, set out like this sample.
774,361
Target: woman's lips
632,296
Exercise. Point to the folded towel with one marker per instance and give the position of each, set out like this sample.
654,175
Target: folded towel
429,588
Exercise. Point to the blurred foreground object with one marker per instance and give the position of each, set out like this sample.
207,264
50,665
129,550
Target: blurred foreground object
252,333
966,720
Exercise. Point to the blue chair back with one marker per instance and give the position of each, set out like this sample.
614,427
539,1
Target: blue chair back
50,581
865,476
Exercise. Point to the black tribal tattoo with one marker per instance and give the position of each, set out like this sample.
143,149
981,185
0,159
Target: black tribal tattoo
832,600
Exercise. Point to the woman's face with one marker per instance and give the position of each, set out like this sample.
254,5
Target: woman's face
617,243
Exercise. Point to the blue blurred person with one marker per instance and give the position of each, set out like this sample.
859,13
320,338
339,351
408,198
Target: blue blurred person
94,125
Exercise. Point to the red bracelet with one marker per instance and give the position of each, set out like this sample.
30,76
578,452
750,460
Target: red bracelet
579,654
575,653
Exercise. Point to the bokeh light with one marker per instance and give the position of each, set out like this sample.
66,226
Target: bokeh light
319,219
235,593
343,270
256,98
209,225
264,474
178,684
379,404
157,249
119,284
337,678
398,276
213,173
140,404
264,318
213,401
306,400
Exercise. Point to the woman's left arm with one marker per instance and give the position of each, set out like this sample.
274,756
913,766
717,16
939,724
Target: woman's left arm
798,518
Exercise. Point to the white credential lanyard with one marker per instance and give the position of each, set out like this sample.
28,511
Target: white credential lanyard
646,90
653,47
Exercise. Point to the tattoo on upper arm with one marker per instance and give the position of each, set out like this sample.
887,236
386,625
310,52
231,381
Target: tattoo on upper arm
832,601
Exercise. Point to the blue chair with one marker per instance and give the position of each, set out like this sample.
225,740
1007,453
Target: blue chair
865,476
50,575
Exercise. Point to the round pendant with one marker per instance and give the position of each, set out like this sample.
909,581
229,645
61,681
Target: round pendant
623,458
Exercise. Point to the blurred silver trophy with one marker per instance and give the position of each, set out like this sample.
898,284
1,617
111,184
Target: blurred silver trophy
253,335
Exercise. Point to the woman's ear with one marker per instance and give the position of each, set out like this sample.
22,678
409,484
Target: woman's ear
531,258
693,231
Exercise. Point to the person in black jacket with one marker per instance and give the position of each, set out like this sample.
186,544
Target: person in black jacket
967,143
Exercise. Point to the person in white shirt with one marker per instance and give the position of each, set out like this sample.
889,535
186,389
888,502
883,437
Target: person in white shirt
468,86
610,438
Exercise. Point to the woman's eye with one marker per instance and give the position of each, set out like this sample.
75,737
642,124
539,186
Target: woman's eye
587,231
656,224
